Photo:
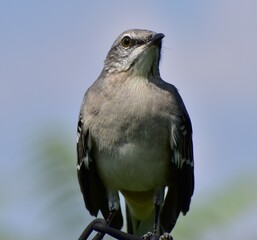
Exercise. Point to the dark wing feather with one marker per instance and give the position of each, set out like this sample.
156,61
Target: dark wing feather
181,187
91,186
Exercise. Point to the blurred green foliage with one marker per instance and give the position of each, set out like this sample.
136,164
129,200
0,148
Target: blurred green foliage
55,171
218,208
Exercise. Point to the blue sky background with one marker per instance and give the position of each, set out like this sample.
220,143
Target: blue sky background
52,51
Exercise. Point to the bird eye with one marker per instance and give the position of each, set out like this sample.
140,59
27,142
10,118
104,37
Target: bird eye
126,42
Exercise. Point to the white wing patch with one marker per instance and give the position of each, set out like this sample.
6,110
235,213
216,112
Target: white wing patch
173,137
183,130
179,161
80,142
177,135
84,161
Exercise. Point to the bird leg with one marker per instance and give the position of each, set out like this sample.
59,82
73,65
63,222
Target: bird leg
110,217
114,205
156,219
158,201
154,235
99,236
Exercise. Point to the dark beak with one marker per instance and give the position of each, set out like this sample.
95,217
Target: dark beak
156,39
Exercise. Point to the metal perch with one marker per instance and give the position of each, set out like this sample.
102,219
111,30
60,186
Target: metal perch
99,225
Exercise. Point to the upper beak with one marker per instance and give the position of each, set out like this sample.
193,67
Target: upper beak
156,39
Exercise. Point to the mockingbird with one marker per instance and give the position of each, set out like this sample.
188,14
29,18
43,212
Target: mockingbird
135,137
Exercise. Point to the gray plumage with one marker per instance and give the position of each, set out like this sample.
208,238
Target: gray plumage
135,136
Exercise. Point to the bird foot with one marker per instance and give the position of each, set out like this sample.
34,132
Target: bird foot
166,236
150,236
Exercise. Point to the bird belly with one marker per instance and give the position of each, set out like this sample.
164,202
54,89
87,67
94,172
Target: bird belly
134,167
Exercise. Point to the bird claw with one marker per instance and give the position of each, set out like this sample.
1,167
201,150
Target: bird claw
147,236
166,236
150,236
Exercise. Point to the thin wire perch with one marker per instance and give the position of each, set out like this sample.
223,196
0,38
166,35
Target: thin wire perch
99,225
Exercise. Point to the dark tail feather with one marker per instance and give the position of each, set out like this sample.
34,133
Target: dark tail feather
117,220
170,210
178,197
129,221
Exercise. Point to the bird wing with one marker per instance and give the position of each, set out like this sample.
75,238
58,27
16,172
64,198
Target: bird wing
181,186
91,186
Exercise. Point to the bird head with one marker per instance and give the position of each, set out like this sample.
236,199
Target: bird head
135,50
